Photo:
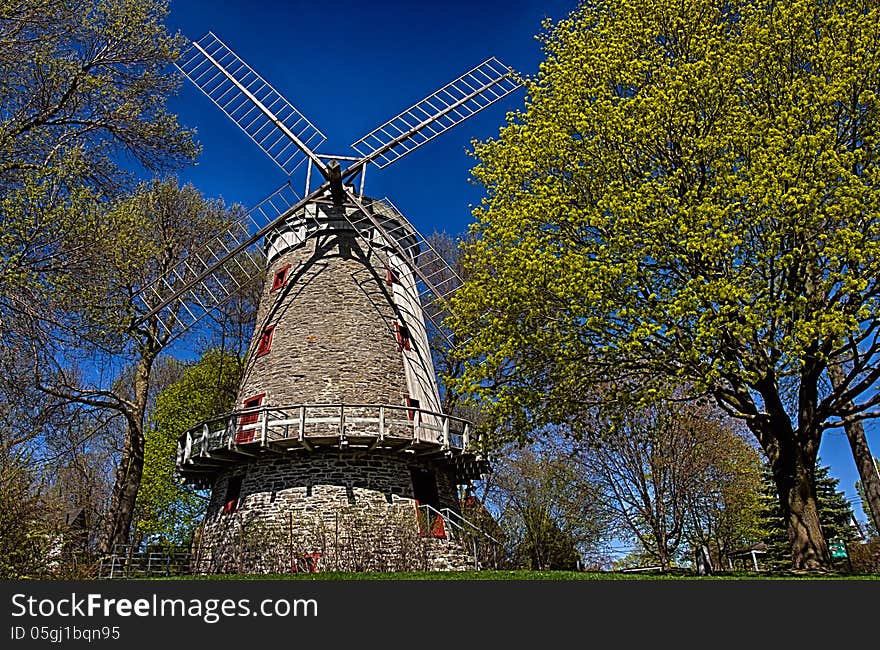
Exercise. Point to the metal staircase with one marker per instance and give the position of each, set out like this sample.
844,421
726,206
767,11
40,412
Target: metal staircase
449,525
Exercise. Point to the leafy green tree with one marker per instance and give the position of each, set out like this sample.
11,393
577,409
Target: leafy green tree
143,238
83,85
167,511
835,514
690,191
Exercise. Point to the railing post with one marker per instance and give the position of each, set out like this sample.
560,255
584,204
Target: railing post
302,423
206,431
381,423
187,448
264,426
466,436
415,421
445,432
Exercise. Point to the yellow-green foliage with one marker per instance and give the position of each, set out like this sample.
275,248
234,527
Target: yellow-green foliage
692,189
83,90
167,510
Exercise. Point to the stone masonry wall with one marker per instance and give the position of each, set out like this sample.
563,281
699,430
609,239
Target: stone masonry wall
334,339
354,510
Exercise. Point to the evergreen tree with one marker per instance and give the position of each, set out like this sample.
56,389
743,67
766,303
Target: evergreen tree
835,515
835,511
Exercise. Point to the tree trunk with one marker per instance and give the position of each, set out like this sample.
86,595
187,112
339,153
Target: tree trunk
858,443
131,465
793,465
663,555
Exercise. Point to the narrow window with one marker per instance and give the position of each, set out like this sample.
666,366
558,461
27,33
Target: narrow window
265,342
246,432
233,492
280,278
413,405
403,337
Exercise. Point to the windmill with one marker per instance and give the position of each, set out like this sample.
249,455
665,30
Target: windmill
338,411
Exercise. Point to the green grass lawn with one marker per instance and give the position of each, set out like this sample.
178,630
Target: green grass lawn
524,575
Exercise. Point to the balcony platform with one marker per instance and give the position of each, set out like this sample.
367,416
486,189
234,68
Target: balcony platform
213,446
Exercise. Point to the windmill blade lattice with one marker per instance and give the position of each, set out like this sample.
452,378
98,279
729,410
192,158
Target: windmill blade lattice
437,113
438,280
255,106
218,271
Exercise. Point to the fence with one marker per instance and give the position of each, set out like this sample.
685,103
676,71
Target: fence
128,562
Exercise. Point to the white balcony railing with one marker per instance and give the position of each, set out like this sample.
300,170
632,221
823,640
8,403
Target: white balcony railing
307,425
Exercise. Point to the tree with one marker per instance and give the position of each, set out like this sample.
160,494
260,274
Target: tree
869,477
166,510
27,527
550,511
673,472
870,525
835,514
723,511
83,85
55,459
690,192
142,240
835,511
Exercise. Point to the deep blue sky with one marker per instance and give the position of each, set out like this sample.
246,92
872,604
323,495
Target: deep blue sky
350,66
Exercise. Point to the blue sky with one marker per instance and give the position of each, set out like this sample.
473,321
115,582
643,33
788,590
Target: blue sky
350,66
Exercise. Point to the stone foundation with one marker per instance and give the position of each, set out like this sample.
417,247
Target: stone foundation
328,510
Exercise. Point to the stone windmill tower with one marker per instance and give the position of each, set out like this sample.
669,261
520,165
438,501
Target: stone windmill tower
338,440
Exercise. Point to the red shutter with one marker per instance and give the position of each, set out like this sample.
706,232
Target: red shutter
264,345
280,278
414,406
403,339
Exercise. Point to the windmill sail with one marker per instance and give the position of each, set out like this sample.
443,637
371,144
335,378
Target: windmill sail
438,280
218,271
437,113
268,119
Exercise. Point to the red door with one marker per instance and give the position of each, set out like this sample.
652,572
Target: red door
247,431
